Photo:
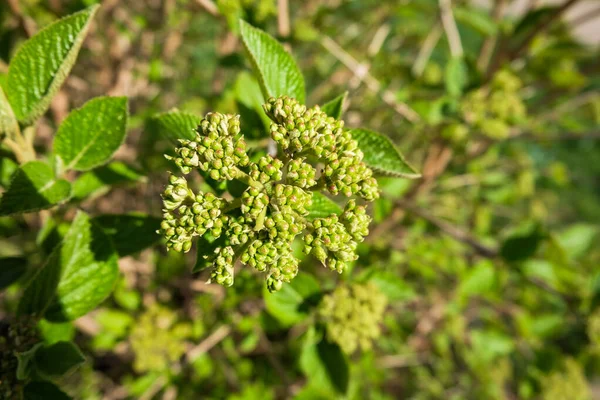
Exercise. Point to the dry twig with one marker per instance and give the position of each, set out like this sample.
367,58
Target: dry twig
359,70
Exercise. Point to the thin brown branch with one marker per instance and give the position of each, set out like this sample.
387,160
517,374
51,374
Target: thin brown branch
27,24
400,361
359,70
451,230
487,49
211,341
503,56
593,135
209,6
378,39
585,18
542,26
426,49
283,18
450,28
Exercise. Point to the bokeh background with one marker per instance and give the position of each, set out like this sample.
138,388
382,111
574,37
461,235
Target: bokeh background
490,262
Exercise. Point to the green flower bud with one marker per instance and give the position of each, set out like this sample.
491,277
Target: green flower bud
222,272
267,169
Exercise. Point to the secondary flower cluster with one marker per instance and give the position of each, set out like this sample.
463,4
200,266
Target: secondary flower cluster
495,109
352,315
258,227
158,339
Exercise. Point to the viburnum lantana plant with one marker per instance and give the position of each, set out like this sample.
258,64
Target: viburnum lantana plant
284,192
317,154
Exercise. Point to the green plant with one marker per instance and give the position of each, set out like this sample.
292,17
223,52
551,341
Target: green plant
477,280
75,266
274,197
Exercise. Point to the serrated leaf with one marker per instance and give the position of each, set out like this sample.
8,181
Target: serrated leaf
55,360
325,365
322,207
11,269
177,124
130,233
335,107
101,179
8,122
291,304
43,390
33,187
277,71
456,76
90,135
78,275
43,62
381,155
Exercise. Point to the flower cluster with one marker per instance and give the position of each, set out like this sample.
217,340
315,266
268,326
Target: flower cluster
352,315
158,339
567,383
258,227
304,131
495,109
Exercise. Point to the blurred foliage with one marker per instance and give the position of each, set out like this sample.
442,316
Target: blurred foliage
488,264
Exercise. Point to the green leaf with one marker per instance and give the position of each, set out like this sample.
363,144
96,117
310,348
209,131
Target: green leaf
41,65
54,332
90,135
290,305
523,243
33,187
43,390
490,345
7,168
325,365
479,21
322,206
456,76
130,233
11,269
8,122
176,124
335,107
25,365
57,359
394,287
277,72
381,155
577,239
479,281
78,275
100,180
249,104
